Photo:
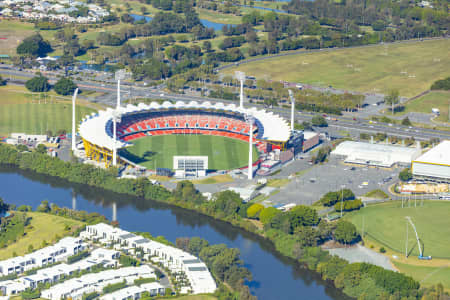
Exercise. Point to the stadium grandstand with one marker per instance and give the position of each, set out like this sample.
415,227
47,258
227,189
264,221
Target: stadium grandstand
270,131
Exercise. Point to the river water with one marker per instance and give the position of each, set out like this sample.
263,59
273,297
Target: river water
274,276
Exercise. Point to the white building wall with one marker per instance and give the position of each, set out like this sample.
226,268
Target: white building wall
431,170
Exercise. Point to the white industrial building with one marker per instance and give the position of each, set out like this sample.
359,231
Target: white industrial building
382,155
246,193
434,164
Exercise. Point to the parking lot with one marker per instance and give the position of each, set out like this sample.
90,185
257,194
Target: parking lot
332,176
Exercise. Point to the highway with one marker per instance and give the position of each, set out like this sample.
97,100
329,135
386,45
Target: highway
343,123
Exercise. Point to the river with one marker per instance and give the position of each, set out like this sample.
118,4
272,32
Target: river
274,276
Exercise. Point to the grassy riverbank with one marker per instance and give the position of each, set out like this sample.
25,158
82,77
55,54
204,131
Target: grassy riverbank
42,227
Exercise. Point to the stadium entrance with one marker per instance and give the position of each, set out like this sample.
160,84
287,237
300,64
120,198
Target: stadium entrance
190,166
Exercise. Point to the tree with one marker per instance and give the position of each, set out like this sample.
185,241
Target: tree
2,81
345,232
319,121
3,206
406,122
38,84
34,46
266,215
41,148
302,215
207,46
254,210
65,86
392,99
443,84
405,175
43,207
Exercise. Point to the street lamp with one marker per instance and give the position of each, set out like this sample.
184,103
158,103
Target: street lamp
342,197
250,119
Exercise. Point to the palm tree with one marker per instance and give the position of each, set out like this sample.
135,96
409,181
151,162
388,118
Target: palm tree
392,98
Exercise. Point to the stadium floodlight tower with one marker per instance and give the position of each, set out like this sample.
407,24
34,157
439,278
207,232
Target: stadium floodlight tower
241,77
116,118
291,95
74,133
250,119
119,75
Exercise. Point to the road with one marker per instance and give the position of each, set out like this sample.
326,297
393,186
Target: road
344,123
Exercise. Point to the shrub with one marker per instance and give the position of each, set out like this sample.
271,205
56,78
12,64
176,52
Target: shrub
254,210
382,250
266,215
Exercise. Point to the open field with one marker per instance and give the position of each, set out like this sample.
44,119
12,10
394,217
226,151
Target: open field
157,151
20,111
427,276
434,99
409,67
14,32
43,227
386,224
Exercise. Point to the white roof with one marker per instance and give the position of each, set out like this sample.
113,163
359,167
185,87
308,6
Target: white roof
376,154
93,127
438,155
309,134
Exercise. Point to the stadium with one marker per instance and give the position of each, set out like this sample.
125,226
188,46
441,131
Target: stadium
150,135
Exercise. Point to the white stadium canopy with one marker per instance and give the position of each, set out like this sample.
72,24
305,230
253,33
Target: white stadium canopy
93,128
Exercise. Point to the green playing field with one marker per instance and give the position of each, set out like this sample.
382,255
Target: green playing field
386,224
158,151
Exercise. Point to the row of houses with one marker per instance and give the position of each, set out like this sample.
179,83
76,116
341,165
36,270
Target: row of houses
56,11
95,282
60,251
174,259
53,274
135,292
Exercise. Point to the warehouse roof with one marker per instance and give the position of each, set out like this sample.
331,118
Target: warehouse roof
439,154
376,154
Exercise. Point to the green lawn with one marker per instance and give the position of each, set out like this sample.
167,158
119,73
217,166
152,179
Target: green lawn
14,32
435,99
427,276
42,227
386,224
22,112
410,67
158,151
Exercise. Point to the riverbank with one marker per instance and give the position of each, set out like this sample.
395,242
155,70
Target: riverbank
288,245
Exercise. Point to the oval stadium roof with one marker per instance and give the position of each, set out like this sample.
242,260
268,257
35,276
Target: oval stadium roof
93,128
